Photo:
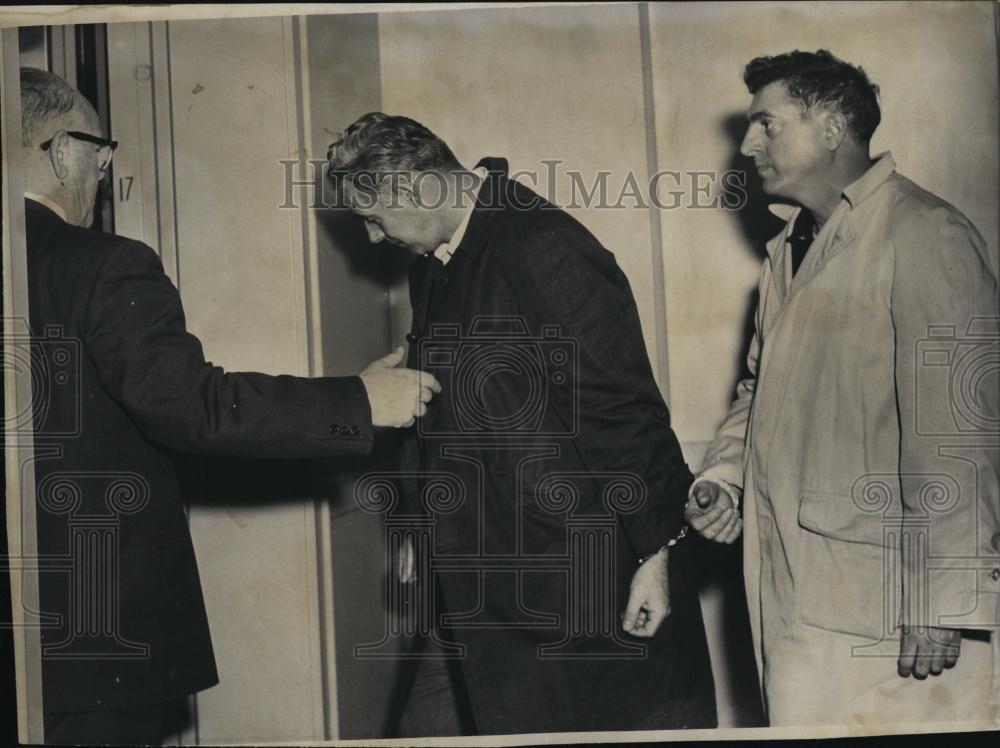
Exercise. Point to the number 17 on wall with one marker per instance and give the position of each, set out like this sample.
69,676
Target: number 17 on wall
124,188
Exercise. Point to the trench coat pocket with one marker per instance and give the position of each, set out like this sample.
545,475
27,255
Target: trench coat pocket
846,579
838,517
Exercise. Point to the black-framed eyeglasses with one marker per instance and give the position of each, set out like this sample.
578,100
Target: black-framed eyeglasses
86,136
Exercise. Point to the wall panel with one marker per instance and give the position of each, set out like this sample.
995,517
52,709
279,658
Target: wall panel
241,274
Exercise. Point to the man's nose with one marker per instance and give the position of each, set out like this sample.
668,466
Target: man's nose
751,143
375,234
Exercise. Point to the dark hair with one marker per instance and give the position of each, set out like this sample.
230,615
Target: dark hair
820,79
379,144
43,96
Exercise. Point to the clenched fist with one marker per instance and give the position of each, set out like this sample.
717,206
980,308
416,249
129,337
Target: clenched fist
397,396
649,596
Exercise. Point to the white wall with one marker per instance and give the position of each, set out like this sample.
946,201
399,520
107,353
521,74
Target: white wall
242,278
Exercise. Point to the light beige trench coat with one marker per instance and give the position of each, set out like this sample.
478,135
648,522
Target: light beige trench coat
866,448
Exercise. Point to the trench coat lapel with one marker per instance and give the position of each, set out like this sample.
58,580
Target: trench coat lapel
840,223
818,256
777,250
823,249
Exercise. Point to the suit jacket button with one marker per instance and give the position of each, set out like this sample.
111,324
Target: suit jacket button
345,430
333,428
355,430
411,337
996,575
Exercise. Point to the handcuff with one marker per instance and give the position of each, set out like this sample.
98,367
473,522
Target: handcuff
670,544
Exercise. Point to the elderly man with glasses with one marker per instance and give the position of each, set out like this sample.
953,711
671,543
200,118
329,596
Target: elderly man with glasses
74,202
142,385
104,146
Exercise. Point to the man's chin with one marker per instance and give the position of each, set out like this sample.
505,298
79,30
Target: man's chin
770,186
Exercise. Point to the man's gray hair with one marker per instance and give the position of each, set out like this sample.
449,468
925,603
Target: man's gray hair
378,145
43,97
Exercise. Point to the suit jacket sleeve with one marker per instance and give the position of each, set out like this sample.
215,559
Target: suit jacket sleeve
561,276
135,334
948,468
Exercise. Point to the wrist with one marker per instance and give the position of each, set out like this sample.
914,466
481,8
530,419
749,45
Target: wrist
664,550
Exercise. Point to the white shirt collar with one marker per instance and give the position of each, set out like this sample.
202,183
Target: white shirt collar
48,203
447,249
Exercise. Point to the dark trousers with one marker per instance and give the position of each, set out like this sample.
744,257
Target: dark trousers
434,701
141,725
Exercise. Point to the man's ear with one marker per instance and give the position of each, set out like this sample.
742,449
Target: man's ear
59,155
395,192
835,130
405,192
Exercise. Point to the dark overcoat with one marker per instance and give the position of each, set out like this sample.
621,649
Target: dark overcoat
542,474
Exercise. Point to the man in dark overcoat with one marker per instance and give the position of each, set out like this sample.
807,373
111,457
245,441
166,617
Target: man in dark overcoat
544,489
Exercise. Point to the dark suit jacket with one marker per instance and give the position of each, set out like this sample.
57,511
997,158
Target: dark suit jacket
116,380
561,462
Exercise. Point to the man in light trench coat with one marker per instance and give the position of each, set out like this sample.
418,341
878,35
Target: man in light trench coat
865,441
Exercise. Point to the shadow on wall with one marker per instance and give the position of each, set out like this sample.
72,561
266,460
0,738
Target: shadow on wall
385,263
756,222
